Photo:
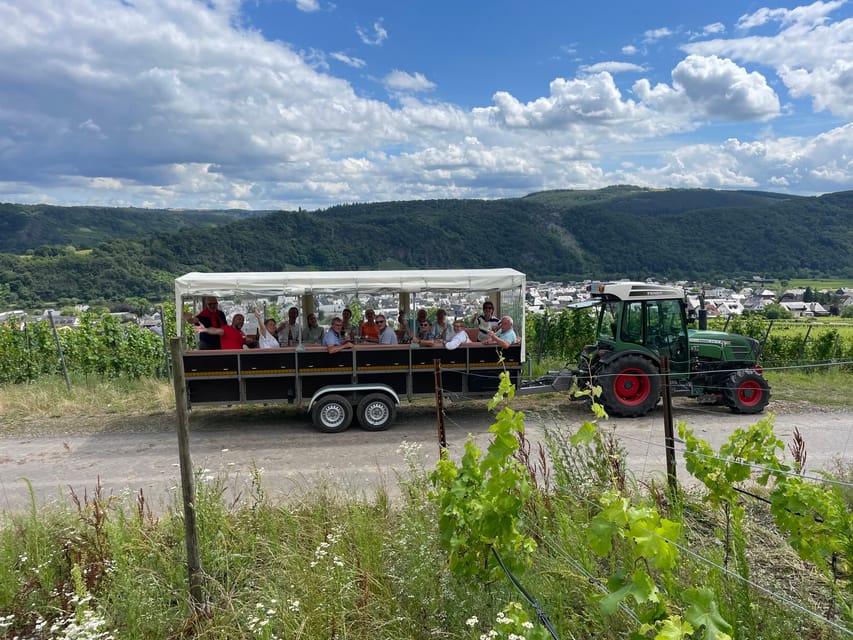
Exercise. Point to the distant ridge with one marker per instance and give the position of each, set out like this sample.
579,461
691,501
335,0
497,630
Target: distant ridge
27,226
619,231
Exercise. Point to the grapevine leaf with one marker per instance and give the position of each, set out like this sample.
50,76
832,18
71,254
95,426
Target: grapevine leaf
703,612
584,435
674,628
619,587
600,535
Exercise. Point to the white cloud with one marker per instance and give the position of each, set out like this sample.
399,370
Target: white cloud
355,63
612,67
812,15
806,165
308,6
811,55
716,27
653,35
724,90
377,37
629,50
402,81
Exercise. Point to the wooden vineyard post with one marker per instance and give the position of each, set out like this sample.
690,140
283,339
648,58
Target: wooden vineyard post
197,598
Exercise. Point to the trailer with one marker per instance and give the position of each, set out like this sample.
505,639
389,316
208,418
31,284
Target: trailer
367,382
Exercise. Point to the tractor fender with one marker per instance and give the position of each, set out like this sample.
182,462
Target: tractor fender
609,356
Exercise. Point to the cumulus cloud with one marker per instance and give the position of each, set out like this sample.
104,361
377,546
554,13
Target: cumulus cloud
629,50
402,81
811,54
722,89
806,165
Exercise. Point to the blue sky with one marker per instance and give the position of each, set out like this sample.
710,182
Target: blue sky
271,104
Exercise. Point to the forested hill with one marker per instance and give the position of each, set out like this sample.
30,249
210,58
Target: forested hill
614,232
29,226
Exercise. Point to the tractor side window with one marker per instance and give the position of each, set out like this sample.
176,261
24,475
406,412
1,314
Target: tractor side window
607,325
655,325
632,322
672,323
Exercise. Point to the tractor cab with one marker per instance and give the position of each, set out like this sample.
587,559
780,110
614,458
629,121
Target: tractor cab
648,318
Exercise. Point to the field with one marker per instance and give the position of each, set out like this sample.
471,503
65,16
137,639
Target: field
817,285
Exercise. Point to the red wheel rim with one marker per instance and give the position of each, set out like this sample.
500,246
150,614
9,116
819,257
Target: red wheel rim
632,386
749,393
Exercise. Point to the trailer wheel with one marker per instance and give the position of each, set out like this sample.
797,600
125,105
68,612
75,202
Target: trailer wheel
376,412
746,392
630,386
332,414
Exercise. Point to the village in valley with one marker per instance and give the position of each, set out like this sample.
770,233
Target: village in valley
540,298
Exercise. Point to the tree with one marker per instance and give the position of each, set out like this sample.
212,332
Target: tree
776,311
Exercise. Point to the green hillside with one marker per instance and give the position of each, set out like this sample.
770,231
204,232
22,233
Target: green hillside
24,227
615,232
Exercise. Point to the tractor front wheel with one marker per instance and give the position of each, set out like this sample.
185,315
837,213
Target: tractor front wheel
630,386
746,392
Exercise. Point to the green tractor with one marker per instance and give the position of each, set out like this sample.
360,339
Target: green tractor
639,324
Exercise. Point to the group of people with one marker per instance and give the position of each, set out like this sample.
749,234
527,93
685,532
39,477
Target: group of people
214,332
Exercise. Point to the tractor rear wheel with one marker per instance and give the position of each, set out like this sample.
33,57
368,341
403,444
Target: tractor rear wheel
630,386
746,392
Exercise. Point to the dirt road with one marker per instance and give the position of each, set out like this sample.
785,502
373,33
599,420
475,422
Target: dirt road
228,443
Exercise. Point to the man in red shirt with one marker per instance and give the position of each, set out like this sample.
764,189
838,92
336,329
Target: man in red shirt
230,336
210,316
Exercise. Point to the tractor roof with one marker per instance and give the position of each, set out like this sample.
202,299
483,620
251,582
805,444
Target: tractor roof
636,291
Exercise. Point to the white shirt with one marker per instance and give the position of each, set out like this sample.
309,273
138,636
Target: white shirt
267,341
457,340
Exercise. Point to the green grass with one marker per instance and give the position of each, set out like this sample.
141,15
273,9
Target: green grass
820,285
50,397
822,387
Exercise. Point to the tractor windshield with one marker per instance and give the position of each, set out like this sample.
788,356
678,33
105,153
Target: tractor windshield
656,325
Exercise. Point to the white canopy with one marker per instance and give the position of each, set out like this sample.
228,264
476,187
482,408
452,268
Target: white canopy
304,282
297,283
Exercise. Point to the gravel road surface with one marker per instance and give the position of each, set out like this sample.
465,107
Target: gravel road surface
129,454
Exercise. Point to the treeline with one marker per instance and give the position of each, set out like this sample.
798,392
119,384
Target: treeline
47,229
609,233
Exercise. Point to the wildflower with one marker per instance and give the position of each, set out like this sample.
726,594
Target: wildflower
472,621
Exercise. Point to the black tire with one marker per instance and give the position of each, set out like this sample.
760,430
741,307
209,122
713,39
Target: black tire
746,391
332,414
376,412
630,386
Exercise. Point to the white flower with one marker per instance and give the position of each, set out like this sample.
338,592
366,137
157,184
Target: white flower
472,621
